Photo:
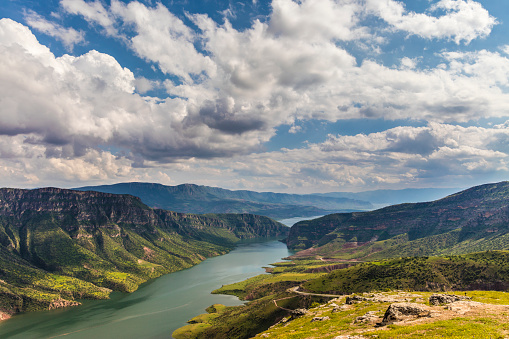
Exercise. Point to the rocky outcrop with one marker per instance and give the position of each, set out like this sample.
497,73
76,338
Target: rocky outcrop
320,318
61,303
299,311
366,318
404,311
442,299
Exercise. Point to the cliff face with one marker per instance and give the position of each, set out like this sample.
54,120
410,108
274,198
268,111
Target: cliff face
478,213
66,244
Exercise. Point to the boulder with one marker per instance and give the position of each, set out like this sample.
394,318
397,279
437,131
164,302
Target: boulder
320,319
299,311
403,311
442,299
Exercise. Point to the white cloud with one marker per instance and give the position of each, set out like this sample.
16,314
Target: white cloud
163,38
92,11
232,94
464,20
317,20
68,36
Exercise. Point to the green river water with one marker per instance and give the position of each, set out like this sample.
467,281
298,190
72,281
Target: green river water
157,308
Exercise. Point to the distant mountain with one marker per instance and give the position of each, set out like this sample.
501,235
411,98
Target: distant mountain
382,198
473,220
57,245
189,198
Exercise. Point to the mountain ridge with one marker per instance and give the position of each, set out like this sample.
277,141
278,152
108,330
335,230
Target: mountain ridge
191,198
457,223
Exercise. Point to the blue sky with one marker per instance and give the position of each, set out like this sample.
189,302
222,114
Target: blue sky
288,96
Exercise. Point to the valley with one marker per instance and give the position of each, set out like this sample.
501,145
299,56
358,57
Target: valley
60,247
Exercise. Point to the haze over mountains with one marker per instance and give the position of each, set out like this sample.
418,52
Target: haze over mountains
189,198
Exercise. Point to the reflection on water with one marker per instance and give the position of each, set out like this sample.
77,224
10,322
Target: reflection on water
157,308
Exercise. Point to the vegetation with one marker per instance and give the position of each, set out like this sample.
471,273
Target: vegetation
478,273
62,245
473,220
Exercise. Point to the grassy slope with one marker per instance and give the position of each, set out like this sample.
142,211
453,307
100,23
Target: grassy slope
490,324
473,220
487,270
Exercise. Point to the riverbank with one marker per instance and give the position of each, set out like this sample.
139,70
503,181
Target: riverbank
158,307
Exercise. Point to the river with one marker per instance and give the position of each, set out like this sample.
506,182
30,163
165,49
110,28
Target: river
159,306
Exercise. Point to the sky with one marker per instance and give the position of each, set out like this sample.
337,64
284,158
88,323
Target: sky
295,96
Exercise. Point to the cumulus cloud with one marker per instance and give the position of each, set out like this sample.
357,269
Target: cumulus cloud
230,89
92,11
317,20
68,36
463,20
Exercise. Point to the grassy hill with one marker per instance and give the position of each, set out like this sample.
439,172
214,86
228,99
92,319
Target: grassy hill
476,219
271,298
57,245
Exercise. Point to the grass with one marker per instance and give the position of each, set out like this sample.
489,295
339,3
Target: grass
244,288
429,273
488,325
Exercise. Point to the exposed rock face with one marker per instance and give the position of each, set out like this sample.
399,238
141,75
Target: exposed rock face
320,318
481,210
441,299
61,303
90,235
403,311
89,210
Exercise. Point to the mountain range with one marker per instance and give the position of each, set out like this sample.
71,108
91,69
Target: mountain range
189,198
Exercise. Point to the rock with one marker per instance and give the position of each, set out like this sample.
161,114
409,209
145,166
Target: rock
320,319
366,318
299,311
402,311
4,315
463,306
355,299
340,308
441,299
60,303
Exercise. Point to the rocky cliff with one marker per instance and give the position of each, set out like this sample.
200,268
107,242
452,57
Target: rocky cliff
57,244
472,220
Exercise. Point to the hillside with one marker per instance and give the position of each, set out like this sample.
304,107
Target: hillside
57,245
300,299
472,220
190,198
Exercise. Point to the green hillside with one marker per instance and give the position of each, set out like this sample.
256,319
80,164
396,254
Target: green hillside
58,245
473,220
372,286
